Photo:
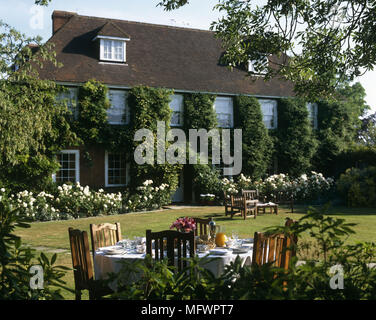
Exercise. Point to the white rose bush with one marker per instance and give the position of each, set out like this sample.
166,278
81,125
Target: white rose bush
148,197
306,188
73,201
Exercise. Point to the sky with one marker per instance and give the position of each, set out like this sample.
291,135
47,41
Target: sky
34,20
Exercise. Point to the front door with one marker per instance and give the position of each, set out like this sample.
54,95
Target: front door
178,196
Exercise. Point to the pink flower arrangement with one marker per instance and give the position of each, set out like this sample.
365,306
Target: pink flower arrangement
184,224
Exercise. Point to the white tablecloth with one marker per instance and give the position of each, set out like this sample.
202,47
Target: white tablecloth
104,263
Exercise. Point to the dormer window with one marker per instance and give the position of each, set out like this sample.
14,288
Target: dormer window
113,50
112,43
259,66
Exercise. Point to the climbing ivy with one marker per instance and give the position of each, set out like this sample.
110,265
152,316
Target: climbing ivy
296,143
92,122
257,144
148,106
199,112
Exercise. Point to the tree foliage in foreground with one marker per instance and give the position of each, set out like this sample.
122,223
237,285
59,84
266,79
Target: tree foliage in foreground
33,124
320,43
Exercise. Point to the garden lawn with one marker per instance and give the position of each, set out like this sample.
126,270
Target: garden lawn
51,236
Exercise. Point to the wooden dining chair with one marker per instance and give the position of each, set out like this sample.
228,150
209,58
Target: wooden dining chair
103,235
276,249
174,240
83,268
202,226
227,203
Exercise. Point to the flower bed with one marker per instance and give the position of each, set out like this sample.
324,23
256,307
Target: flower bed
76,201
306,188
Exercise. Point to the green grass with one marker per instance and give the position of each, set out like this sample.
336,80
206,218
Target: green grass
54,235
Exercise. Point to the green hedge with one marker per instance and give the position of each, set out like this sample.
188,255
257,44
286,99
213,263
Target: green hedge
358,187
296,143
257,144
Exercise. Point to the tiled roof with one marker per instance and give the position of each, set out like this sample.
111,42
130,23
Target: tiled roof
110,29
157,56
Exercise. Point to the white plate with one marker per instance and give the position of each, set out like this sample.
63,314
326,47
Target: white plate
240,250
218,252
247,240
113,251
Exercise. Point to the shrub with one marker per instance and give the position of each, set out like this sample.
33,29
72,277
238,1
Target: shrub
358,187
296,143
206,180
79,201
311,188
16,260
257,144
147,197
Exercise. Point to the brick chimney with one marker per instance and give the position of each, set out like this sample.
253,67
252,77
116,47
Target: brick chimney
59,18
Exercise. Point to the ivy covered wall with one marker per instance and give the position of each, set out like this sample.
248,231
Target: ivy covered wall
257,143
295,141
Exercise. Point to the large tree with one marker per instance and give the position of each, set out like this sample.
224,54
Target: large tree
33,125
320,42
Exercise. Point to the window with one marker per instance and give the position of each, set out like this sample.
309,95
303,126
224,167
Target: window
118,113
269,113
69,170
312,114
113,50
70,97
116,169
258,66
225,112
177,108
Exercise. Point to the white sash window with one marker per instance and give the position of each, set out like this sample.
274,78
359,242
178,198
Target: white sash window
312,114
225,112
176,105
112,50
269,113
69,170
118,113
70,97
117,170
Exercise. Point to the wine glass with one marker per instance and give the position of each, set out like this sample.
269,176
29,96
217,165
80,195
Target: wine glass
235,236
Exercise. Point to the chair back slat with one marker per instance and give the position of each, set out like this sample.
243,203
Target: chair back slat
174,239
81,261
276,249
202,226
250,194
104,235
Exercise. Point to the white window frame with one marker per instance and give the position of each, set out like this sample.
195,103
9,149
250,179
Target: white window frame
113,41
77,153
125,110
275,112
106,173
230,100
312,109
72,100
180,99
252,63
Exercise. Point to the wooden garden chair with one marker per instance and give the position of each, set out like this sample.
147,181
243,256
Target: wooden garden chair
276,249
202,226
83,268
103,235
240,205
173,239
227,203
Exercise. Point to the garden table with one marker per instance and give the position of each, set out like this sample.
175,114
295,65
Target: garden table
273,207
106,260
